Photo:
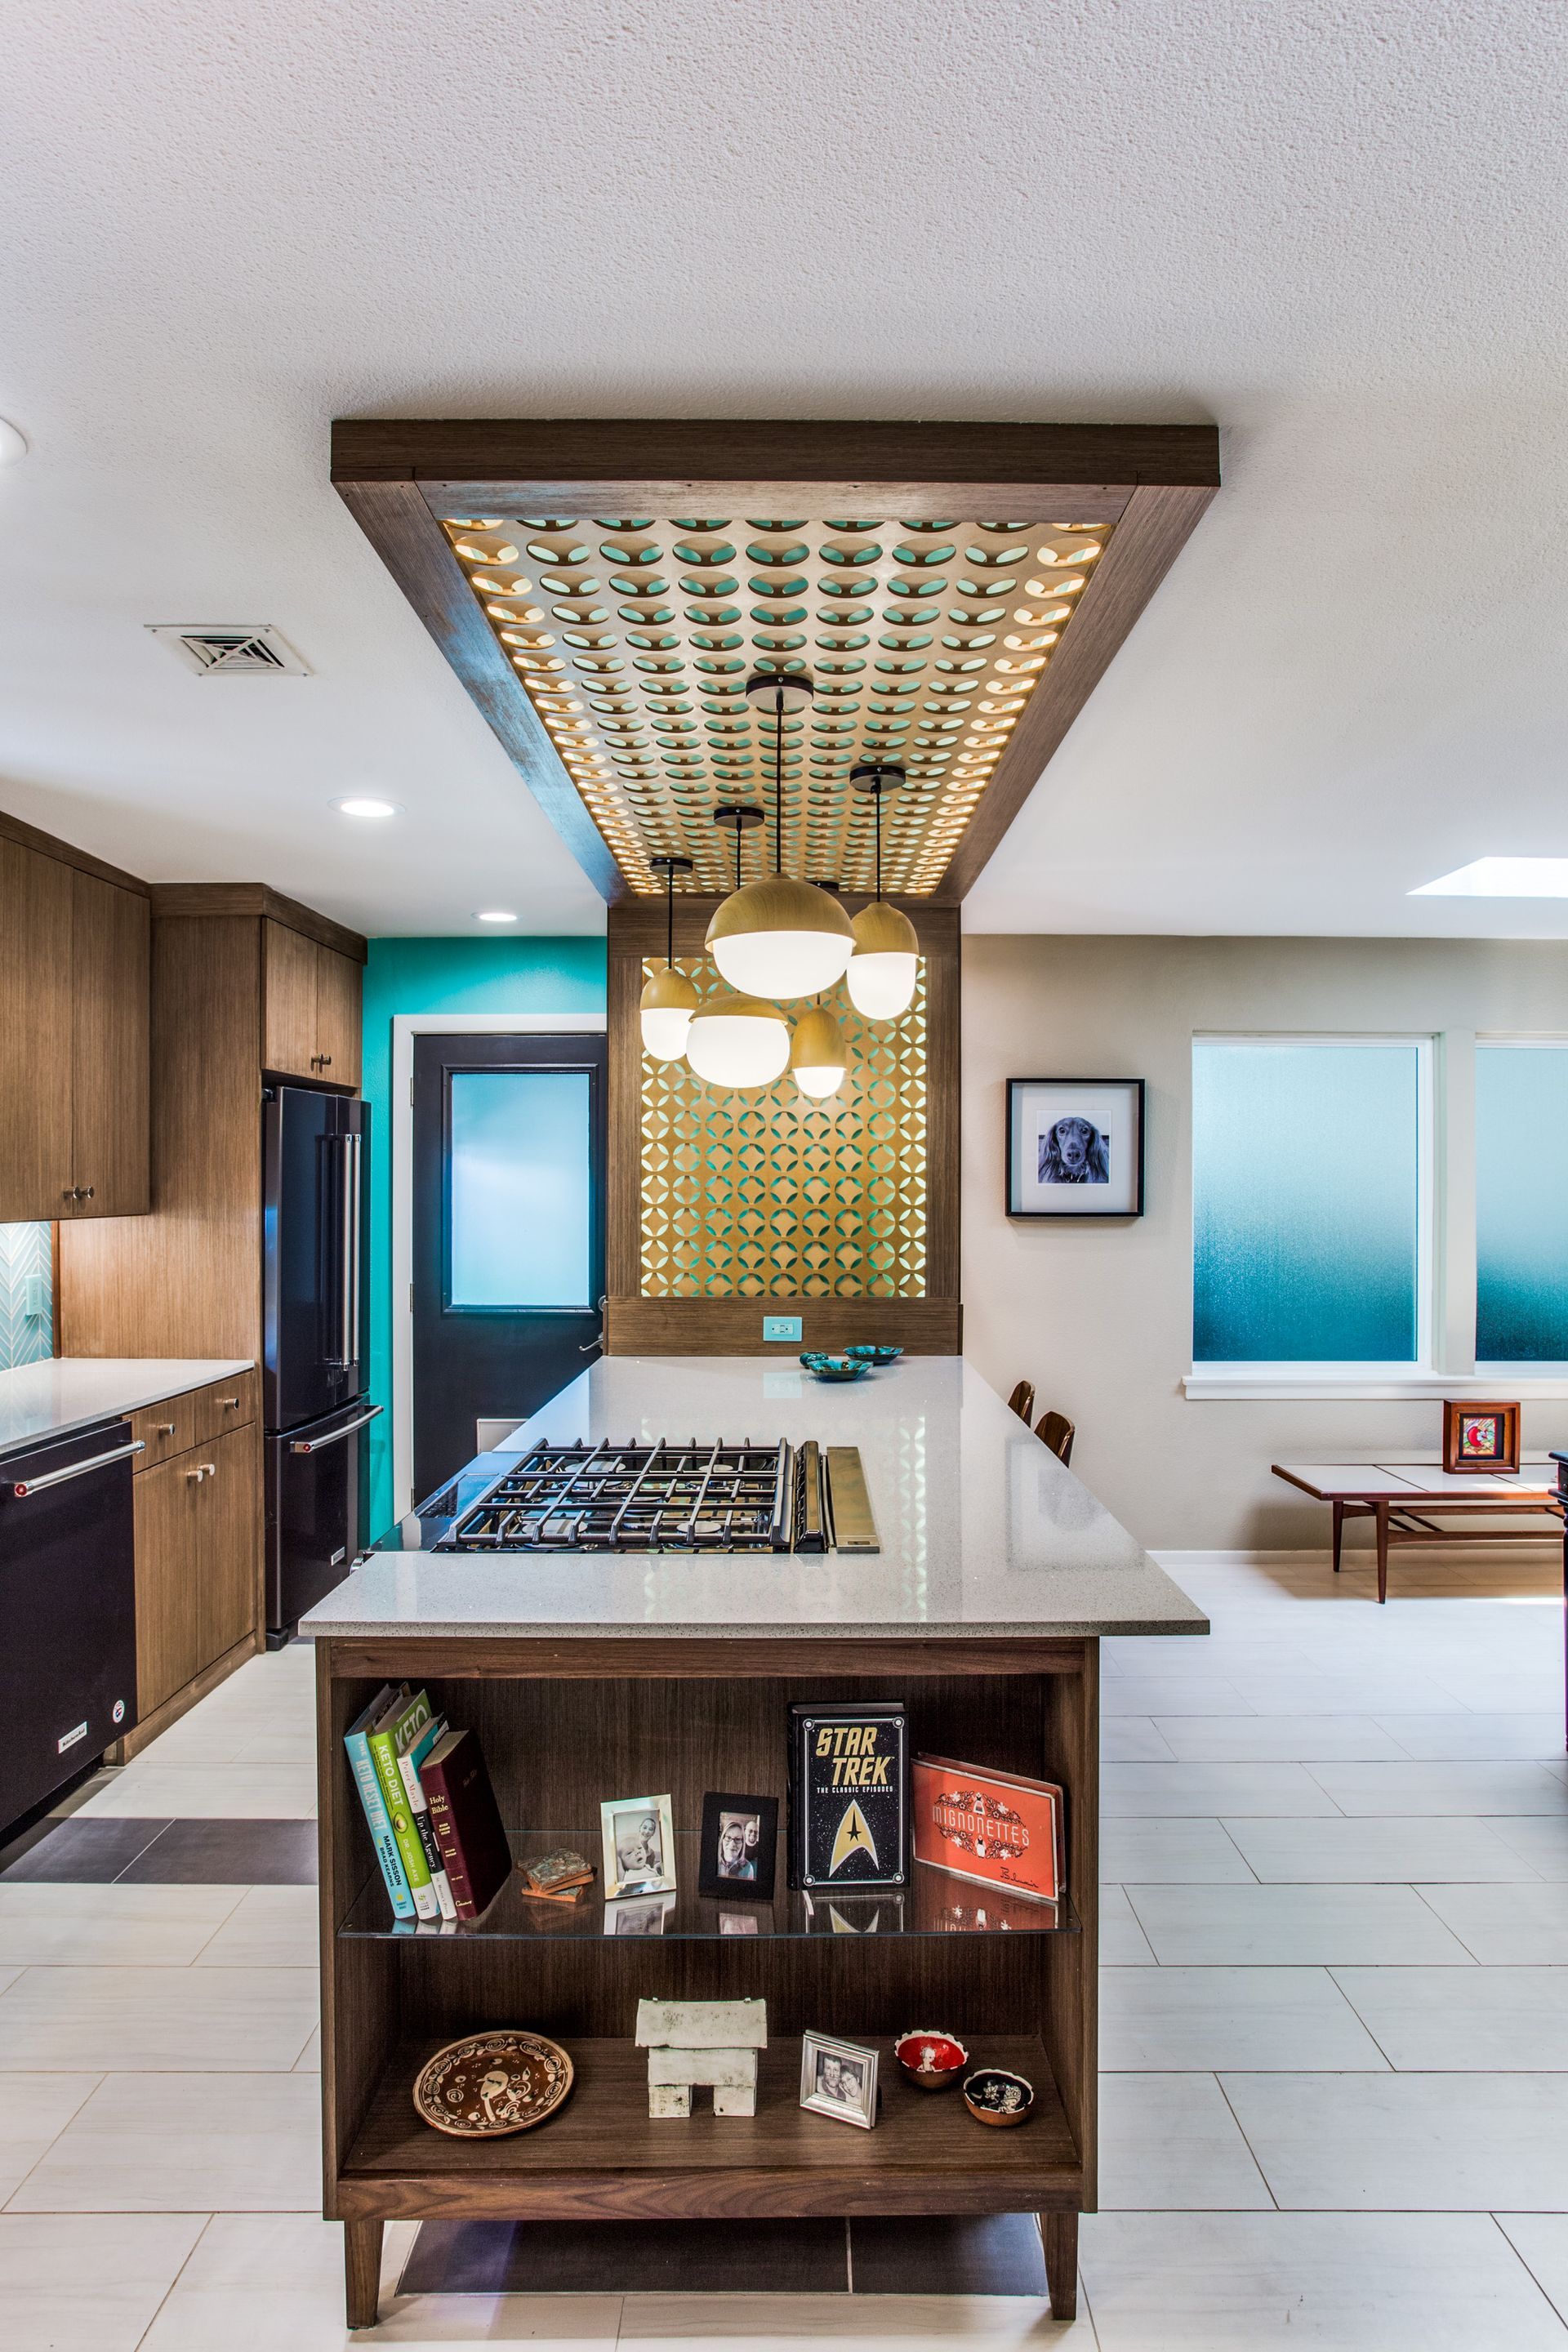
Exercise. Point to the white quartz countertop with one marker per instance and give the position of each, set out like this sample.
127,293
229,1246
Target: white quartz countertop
67,1393
982,1532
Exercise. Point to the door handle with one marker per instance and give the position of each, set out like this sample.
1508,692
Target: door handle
334,1436
598,1339
21,1486
202,1470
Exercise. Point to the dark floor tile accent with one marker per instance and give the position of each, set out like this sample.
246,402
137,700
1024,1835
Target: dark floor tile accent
971,2253
227,1853
77,1853
628,2258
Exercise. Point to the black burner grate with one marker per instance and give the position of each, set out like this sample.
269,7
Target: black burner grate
661,1497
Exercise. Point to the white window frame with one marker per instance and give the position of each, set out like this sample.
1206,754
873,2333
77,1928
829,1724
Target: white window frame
1423,1374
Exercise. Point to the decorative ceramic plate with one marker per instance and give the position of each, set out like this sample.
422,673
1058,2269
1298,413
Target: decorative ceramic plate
834,1367
491,2085
871,1352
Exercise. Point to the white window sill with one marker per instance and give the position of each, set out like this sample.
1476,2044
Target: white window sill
1371,1382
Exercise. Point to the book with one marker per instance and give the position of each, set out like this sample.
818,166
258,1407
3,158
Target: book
848,1794
466,1821
996,1828
375,1813
397,1728
409,1763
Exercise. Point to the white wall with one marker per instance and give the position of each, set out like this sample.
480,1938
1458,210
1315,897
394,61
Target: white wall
1099,1317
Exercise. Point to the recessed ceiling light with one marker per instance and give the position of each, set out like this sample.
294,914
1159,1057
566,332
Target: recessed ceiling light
361,804
12,445
495,914
1501,878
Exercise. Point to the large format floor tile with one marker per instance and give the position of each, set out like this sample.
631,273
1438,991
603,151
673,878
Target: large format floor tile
274,2283
233,1792
180,2021
1172,1853
1122,1943
184,2144
1131,1739
34,2111
1149,1789
1335,2281
269,1927
1539,1842
121,1926
1449,1738
1291,1926
1507,1926
1441,1788
1541,2240
1375,1847
839,2323
1170,1695
1408,2143
1273,1738
1210,2019
1169,2143
70,2284
1470,2020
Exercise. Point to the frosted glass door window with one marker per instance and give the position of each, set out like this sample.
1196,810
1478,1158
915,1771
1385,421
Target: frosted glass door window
1307,1186
1521,1205
520,1196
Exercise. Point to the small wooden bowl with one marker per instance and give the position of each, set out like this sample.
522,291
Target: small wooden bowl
945,2050
985,2079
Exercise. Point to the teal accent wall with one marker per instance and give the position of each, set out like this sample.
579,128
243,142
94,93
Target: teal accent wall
26,1304
448,976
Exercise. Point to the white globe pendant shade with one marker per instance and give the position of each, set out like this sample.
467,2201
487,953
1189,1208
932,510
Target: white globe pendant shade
882,971
669,1002
737,1041
816,1056
780,939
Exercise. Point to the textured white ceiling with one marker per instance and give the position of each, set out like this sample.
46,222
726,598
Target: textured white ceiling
1339,231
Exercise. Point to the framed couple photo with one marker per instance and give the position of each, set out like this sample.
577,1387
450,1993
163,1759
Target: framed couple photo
1074,1146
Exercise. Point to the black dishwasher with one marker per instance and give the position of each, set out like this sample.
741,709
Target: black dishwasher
68,1610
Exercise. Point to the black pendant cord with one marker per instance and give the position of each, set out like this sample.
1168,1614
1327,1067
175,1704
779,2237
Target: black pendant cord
878,798
669,915
778,780
737,858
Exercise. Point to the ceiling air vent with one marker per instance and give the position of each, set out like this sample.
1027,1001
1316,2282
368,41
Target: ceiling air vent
215,651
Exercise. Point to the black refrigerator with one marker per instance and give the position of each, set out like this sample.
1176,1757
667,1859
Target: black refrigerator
313,1371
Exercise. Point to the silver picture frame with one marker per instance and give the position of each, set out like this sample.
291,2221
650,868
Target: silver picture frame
838,2079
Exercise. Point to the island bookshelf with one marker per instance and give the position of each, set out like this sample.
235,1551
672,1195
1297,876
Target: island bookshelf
566,1721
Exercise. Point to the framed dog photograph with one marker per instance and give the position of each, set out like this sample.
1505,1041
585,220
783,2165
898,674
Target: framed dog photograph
740,1845
639,1846
838,2079
1479,1437
1074,1146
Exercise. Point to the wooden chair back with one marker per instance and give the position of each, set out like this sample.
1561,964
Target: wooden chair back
1022,1400
1055,1430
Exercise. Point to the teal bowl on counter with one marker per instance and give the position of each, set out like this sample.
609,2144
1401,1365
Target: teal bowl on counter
871,1352
825,1366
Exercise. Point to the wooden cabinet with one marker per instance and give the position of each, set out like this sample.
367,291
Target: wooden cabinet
197,1530
74,1013
311,1008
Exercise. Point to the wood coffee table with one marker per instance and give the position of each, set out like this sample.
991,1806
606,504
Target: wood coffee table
1405,1499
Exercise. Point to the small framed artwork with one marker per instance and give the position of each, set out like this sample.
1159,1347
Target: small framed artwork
639,1846
740,1845
1074,1146
838,2079
1479,1437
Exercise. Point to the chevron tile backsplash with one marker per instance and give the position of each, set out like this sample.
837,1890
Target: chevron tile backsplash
26,1305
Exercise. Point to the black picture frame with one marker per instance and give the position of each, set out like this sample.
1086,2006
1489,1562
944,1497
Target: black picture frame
1031,1200
713,1880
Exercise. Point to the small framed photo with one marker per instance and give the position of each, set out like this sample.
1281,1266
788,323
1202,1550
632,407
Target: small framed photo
639,1846
1074,1146
639,1915
740,1845
838,2079
1479,1437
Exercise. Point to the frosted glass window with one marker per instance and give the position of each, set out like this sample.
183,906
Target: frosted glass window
519,1189
1307,1227
1521,1205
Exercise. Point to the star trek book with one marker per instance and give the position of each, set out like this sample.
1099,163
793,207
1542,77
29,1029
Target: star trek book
848,1795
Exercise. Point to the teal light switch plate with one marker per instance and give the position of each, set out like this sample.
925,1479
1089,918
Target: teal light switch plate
781,1327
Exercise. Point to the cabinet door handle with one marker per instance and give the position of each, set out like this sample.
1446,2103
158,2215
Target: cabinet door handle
86,1195
164,1428
202,1470
230,1404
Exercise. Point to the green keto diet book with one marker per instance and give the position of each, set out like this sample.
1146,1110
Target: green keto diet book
396,1729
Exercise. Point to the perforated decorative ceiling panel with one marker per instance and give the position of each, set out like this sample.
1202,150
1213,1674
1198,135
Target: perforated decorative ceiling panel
635,639
768,1194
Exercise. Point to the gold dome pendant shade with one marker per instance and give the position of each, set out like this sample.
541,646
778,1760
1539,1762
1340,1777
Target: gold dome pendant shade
885,965
777,937
668,999
817,1060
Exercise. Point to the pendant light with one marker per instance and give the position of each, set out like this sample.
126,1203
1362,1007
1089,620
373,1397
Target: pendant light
668,999
817,1060
778,937
886,962
737,1040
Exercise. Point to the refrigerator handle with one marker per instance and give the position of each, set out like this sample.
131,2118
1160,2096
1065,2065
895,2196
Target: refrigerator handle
350,1335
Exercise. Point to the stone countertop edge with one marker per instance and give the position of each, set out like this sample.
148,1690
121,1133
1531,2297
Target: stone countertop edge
59,1395
318,1628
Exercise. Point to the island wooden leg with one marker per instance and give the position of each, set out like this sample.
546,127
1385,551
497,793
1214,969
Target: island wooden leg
1383,1551
1338,1532
1059,2231
361,2271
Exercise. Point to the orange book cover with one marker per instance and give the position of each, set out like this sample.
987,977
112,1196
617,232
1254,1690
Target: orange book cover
995,1827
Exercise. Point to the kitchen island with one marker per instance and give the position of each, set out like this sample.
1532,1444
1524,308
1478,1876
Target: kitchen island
588,1676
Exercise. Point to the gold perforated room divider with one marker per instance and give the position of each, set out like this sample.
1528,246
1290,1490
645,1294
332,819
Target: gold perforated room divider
767,1194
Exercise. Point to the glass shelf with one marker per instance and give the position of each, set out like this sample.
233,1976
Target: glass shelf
934,1904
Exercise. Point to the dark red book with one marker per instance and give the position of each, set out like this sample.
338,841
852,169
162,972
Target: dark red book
466,1821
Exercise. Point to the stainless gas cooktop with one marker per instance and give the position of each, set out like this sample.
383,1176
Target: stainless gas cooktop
668,1497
